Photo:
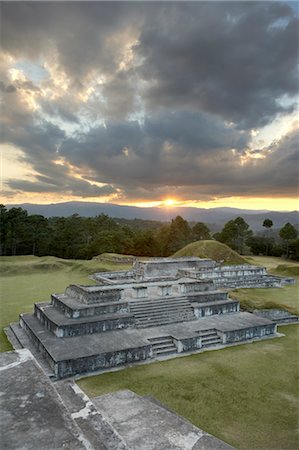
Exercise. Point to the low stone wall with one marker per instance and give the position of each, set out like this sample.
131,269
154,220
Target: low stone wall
105,278
244,283
212,310
208,297
279,316
230,337
102,361
243,270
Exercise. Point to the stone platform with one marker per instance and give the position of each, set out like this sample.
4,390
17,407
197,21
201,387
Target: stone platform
83,354
38,414
92,328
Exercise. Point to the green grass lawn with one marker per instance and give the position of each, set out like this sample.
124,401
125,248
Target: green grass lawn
246,395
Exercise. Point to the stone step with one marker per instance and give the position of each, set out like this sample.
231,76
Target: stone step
211,341
163,345
167,315
158,305
157,347
166,351
160,339
165,308
163,313
207,333
156,324
157,300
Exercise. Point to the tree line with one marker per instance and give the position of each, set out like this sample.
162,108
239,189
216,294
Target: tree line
85,237
238,236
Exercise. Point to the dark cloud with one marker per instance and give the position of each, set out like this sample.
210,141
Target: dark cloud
234,59
150,98
69,186
228,59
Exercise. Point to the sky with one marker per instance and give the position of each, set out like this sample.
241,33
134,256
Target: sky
150,103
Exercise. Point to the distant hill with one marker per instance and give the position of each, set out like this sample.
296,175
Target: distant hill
211,249
216,217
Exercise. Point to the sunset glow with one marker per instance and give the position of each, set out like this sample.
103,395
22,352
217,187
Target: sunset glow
169,202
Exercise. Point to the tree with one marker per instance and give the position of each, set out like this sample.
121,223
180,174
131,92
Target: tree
178,236
3,230
235,233
260,245
144,243
16,228
38,233
200,232
267,224
288,232
294,249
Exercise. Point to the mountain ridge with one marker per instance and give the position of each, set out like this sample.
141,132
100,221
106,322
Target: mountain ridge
217,216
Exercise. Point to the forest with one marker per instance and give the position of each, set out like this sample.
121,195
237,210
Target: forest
77,237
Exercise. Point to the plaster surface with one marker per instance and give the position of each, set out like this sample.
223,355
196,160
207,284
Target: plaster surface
32,415
146,425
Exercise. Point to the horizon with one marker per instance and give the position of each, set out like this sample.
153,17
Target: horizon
160,104
160,206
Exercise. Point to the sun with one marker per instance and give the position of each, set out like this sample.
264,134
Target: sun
169,202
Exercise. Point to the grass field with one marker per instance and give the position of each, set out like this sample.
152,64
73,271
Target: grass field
246,395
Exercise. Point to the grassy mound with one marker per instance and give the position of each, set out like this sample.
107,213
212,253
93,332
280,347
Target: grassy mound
29,264
211,249
287,271
115,258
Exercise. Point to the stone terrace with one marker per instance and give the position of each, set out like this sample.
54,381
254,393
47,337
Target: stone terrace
91,328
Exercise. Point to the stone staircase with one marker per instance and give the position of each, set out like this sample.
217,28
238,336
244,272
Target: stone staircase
209,337
163,346
157,312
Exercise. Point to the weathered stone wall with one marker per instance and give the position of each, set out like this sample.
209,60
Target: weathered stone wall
90,310
187,344
91,294
102,361
249,333
37,343
279,316
79,328
208,297
113,277
203,311
169,267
